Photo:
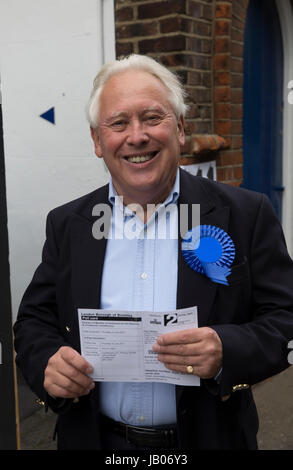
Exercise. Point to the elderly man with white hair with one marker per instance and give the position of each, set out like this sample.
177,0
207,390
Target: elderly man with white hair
239,276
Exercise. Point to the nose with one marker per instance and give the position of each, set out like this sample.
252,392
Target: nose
137,134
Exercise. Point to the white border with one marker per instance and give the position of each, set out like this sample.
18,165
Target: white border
286,20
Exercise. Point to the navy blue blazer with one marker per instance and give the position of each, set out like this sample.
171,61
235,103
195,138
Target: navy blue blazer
253,315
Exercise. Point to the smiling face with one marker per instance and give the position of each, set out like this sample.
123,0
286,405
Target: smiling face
138,136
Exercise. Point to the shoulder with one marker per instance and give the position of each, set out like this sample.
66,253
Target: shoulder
82,205
222,193
60,219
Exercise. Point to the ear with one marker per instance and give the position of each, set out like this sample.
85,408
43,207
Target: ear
181,133
96,140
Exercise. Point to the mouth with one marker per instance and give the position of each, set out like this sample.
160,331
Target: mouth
141,157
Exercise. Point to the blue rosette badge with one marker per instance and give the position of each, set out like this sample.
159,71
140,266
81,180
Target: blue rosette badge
209,250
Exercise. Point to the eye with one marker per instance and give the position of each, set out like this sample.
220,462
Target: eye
153,119
119,124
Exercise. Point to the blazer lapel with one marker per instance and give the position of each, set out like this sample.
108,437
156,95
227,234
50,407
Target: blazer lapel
194,288
87,264
88,255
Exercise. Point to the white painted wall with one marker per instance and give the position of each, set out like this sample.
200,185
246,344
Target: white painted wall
50,52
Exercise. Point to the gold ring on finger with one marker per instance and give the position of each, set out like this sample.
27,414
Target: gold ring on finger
189,369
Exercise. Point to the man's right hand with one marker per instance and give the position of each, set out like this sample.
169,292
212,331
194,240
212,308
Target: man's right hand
66,374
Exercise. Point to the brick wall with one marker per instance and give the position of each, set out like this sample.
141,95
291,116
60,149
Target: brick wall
203,42
228,82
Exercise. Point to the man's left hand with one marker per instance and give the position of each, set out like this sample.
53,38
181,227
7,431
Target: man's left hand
200,348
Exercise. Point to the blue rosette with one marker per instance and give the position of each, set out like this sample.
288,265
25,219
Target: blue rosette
209,250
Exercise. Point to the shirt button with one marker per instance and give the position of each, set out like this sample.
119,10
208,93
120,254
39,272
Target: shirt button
144,276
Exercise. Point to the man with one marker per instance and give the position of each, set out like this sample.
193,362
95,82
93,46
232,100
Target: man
245,317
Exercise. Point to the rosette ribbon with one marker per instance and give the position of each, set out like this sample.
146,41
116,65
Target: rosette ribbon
209,250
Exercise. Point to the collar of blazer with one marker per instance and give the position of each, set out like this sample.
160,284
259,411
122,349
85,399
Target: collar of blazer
88,253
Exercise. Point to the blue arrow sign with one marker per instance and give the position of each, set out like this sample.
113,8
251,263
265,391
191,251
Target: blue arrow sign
49,115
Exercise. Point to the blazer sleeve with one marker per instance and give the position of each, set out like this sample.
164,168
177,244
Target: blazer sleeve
36,330
258,349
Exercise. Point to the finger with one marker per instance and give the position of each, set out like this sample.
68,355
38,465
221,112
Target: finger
59,392
74,374
178,360
68,387
181,368
73,358
192,349
191,335
198,370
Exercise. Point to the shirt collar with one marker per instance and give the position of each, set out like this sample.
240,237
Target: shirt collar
171,199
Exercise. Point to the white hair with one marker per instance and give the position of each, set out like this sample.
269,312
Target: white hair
138,62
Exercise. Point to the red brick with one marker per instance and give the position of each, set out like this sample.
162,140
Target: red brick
192,111
237,142
177,60
231,158
162,44
237,35
194,78
239,11
222,27
206,79
201,28
161,8
220,174
174,24
237,80
222,78
236,111
199,127
236,95
123,48
124,14
222,111
234,183
201,62
223,10
223,127
136,29
222,44
206,46
237,49
207,12
222,94
236,65
238,172
194,9
193,44
200,95
239,24
205,112
222,61
236,127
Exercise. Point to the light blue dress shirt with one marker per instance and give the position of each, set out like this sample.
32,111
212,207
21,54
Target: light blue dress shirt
141,274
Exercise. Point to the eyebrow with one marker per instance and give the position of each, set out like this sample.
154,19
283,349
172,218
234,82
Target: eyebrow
121,114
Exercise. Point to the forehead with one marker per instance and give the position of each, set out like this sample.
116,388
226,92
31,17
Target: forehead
132,89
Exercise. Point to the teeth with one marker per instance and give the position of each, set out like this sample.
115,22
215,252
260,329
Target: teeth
139,159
